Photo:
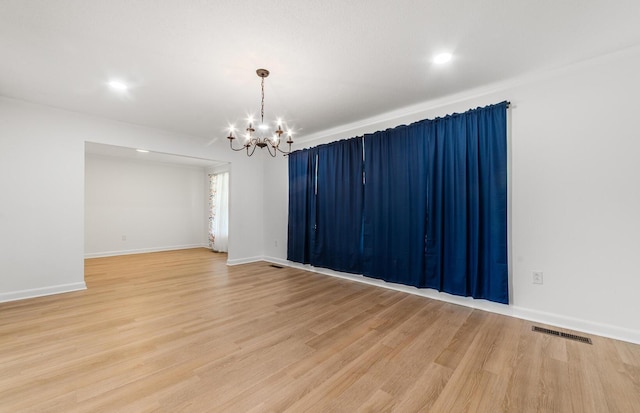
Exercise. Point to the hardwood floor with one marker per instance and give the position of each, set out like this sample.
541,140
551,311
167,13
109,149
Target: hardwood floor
180,331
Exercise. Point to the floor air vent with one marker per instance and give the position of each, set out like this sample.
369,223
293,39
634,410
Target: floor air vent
275,266
561,334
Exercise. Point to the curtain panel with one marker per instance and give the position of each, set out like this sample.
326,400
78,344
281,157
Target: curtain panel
219,212
395,209
423,205
339,201
466,235
213,199
302,204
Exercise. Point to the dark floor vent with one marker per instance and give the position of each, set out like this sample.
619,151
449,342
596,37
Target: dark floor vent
561,334
275,266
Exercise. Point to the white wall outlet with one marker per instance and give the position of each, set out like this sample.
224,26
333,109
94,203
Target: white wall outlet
124,237
275,243
537,277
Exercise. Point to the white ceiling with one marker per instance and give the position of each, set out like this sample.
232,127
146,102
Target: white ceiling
191,63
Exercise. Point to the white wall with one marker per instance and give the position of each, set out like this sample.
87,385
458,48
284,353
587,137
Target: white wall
574,189
134,206
41,207
276,204
42,196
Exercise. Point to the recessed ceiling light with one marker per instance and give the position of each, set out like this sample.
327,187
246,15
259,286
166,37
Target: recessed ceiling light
117,85
142,150
442,58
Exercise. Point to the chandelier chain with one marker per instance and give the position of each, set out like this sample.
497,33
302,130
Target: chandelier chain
262,103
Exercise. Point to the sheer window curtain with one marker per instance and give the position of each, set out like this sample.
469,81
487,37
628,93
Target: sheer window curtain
219,212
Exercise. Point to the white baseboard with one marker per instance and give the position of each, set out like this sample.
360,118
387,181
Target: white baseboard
39,292
248,260
586,326
142,250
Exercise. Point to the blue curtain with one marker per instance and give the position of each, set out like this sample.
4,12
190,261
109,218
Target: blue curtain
302,204
466,247
430,212
339,207
395,207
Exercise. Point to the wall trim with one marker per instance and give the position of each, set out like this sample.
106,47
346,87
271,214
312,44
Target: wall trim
143,250
247,260
581,325
578,324
40,292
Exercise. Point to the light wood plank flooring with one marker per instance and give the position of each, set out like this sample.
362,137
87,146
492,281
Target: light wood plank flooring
180,331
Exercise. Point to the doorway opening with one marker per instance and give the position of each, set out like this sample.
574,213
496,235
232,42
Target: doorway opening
137,202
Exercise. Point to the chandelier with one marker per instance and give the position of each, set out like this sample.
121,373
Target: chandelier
272,142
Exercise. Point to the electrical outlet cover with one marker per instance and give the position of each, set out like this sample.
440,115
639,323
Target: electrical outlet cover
537,277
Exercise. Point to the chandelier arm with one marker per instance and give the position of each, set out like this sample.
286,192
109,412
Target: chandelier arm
231,146
274,153
252,150
285,152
